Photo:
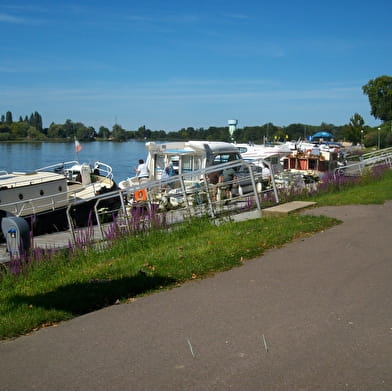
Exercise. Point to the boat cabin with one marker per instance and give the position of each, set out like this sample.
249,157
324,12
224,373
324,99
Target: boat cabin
315,160
184,157
188,156
26,193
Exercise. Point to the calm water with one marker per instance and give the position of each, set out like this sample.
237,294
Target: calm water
123,157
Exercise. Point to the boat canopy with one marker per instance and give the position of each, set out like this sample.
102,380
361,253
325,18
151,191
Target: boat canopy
322,135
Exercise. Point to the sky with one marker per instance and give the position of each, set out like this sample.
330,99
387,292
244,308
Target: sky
175,64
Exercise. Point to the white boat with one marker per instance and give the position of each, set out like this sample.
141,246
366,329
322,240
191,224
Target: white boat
185,157
42,196
257,151
272,153
83,179
195,164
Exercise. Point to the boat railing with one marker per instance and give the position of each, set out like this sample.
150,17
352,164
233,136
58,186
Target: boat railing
64,168
104,169
59,167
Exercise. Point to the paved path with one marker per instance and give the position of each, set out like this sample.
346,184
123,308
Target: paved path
313,315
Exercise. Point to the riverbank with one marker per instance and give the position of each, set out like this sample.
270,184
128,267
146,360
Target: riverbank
147,262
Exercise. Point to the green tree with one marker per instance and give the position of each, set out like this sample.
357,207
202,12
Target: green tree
103,132
56,131
143,133
19,130
8,117
84,133
118,133
353,130
4,128
36,121
69,129
296,131
379,92
34,134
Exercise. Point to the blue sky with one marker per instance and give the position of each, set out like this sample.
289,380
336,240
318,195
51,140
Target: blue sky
173,64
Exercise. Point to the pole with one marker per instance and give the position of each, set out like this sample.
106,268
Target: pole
378,141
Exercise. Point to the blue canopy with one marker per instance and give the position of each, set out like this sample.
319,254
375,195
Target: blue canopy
322,135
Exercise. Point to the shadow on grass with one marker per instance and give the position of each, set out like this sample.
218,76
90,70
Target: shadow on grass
81,298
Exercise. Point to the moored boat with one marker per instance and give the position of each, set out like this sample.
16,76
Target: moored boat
45,197
184,157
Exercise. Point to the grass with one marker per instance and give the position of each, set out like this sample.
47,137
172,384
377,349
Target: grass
69,284
372,188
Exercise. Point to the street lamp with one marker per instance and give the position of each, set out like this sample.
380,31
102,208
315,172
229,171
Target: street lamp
378,139
361,138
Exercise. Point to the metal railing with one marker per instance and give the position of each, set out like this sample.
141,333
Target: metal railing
65,168
367,161
187,195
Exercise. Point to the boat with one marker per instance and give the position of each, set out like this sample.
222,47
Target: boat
272,153
84,179
45,197
184,157
309,163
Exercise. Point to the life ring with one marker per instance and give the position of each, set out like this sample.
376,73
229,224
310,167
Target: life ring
140,195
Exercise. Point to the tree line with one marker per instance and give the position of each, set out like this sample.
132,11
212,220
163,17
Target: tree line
378,90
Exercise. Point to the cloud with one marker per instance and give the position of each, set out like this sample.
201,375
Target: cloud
11,19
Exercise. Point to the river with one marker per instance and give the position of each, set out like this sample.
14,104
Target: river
122,157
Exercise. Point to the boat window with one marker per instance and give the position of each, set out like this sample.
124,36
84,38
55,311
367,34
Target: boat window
273,159
60,188
159,165
187,163
197,165
41,192
20,196
312,164
226,157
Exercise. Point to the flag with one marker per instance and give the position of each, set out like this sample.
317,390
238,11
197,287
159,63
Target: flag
78,146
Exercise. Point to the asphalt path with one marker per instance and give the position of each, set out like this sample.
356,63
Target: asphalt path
315,314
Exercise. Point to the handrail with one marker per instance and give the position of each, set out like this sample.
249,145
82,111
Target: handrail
187,187
383,157
64,166
384,151
108,170
37,204
58,165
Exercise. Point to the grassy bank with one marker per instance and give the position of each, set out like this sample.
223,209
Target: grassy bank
71,284
369,190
